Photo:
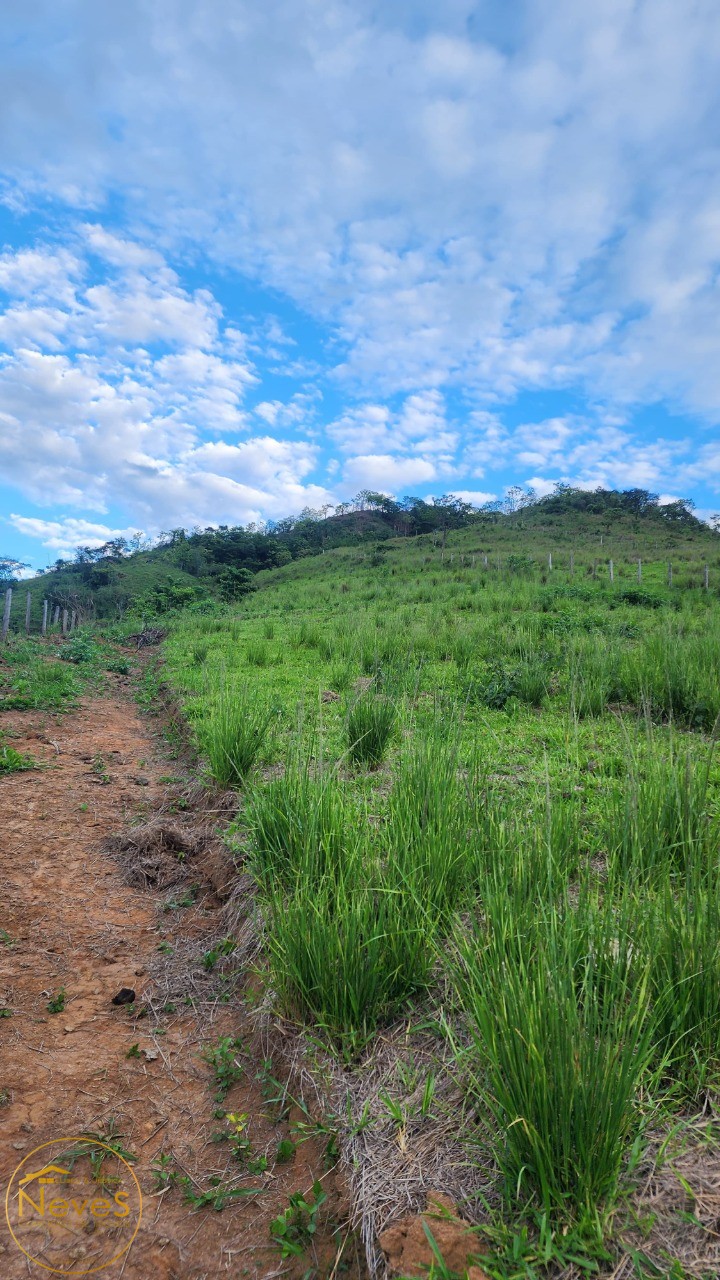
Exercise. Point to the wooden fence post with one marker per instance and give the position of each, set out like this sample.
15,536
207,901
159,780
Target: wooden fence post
44,620
64,621
56,615
706,578
669,574
485,562
639,572
6,613
73,617
550,560
612,571
28,608
572,561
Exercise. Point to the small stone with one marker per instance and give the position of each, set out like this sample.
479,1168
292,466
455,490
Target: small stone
126,995
19,1146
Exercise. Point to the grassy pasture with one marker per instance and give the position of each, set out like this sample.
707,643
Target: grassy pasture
490,792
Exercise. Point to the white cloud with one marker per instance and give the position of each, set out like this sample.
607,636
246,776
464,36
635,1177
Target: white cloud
112,405
461,191
387,473
63,536
476,497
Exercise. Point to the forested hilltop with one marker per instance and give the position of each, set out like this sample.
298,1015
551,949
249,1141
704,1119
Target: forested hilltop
187,566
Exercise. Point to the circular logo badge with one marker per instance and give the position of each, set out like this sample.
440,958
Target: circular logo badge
74,1205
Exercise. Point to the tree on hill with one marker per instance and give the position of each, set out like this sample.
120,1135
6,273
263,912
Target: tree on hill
10,571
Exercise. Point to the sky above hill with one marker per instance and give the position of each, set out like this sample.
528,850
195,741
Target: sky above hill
259,257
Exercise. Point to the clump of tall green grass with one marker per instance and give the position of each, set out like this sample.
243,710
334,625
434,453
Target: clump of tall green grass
427,827
676,674
592,664
233,733
346,954
257,653
561,1036
301,827
681,935
200,652
370,727
658,817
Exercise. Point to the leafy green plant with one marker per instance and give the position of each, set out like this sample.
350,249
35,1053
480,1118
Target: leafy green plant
81,647
223,948
12,761
162,1171
294,1228
222,1058
57,1003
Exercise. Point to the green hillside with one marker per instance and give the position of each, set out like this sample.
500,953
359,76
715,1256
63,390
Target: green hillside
480,805
188,567
478,824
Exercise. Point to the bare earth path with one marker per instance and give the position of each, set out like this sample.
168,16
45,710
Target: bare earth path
74,923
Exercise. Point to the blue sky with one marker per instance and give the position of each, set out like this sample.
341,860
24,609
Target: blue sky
256,258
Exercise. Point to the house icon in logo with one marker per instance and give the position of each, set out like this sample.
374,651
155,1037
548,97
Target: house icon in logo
45,1176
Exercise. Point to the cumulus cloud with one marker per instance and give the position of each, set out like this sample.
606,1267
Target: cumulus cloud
387,473
63,536
117,404
458,201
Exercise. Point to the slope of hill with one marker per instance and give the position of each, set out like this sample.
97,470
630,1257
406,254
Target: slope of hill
478,803
221,564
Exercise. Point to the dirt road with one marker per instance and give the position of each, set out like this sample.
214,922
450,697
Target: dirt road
73,925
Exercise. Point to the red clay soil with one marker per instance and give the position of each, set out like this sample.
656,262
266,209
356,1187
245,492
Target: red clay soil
72,922
410,1253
